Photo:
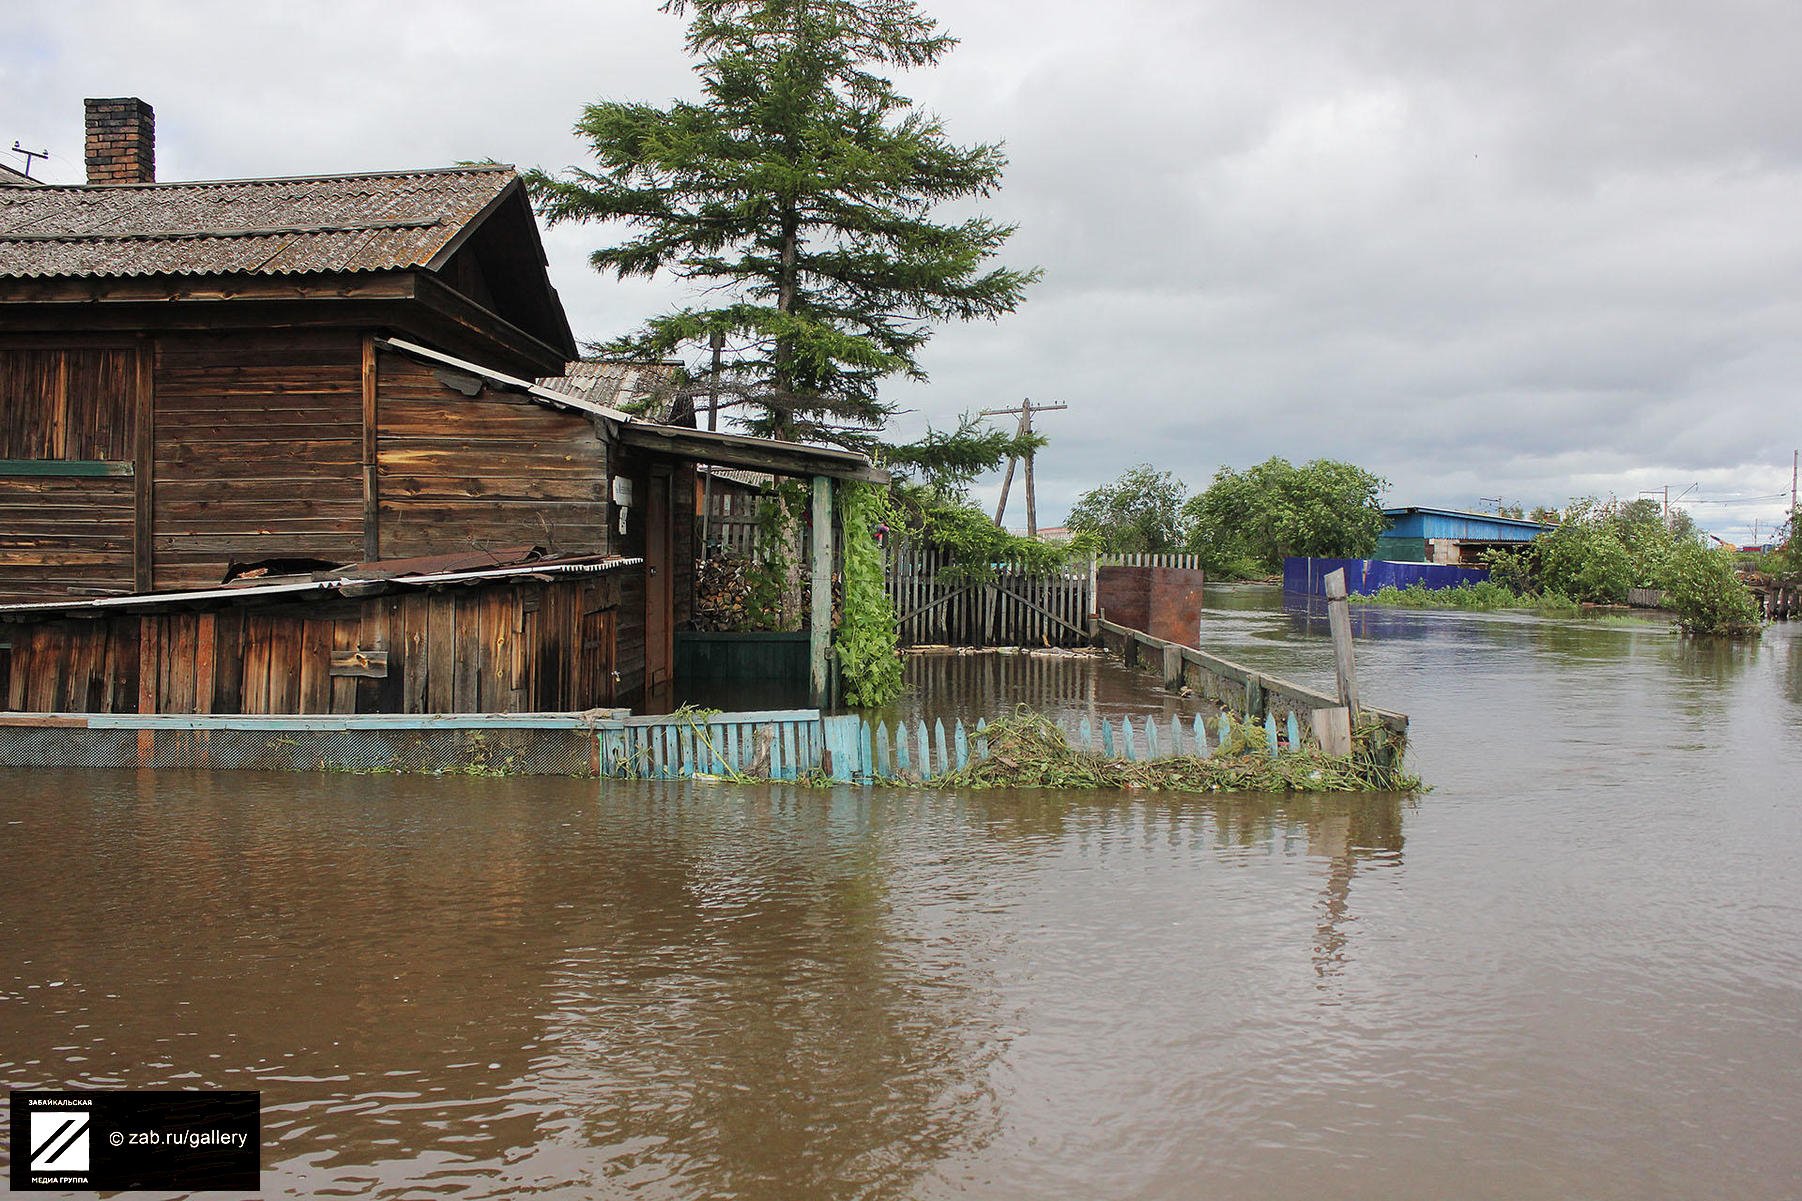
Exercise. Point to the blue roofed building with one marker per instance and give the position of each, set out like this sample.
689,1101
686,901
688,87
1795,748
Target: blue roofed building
1423,535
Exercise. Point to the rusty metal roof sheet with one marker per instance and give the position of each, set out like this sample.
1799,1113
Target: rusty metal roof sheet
378,222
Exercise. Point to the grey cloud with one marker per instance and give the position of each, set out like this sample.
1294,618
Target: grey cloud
1531,249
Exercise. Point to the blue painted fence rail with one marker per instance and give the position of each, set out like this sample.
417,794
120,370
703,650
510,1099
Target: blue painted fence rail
790,744
785,744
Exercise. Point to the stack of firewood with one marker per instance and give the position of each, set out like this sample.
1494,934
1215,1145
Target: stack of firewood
722,592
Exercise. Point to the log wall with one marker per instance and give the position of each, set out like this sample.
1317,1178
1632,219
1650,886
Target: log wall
456,472
501,648
68,417
259,443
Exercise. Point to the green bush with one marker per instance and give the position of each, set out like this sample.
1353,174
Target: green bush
1481,595
1701,588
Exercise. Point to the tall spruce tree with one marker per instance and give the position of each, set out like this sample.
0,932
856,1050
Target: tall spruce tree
798,196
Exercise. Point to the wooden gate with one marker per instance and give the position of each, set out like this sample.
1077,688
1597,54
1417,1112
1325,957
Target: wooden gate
936,604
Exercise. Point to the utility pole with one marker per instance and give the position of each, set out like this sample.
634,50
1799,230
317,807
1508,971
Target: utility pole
1795,457
29,155
1025,411
716,340
1665,492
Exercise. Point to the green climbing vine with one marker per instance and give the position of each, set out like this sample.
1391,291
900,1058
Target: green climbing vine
867,631
770,576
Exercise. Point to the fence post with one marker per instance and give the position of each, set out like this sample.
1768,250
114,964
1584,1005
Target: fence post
1094,615
1338,611
820,628
1173,668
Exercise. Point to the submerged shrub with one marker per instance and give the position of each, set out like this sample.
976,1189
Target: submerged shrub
1706,595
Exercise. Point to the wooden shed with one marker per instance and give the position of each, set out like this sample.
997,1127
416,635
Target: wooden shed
265,441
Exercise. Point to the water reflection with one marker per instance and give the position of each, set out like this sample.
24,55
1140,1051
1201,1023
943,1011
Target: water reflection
1570,969
1066,687
505,986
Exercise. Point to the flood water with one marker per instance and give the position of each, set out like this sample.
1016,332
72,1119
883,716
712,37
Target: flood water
1573,969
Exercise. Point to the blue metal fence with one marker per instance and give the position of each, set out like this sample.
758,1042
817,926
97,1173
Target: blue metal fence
1364,577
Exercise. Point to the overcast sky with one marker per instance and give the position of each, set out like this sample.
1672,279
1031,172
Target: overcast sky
1533,249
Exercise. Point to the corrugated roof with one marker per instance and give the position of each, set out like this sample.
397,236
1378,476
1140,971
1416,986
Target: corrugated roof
750,479
1404,510
378,222
618,385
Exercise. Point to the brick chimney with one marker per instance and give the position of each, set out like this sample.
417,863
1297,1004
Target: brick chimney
121,141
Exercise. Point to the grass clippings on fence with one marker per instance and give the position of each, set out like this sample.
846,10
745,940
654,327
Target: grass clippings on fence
1028,750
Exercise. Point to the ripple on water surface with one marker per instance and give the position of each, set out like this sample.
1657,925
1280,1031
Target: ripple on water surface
1572,969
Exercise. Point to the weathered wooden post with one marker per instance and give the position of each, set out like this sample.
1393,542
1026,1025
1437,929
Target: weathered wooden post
1333,727
1338,613
1094,614
819,640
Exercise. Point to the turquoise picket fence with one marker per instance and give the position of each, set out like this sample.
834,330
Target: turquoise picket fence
790,744
782,744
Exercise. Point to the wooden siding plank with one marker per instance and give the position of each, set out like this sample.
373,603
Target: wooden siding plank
143,408
372,544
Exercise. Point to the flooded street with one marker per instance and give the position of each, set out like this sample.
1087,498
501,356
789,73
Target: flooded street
1573,969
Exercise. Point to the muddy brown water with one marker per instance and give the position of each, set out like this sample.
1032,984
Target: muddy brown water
1574,969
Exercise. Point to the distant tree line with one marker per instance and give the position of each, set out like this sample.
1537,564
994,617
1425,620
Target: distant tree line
1244,523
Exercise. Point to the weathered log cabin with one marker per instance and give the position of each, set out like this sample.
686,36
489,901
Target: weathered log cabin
273,446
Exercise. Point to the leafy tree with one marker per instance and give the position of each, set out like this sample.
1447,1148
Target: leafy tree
1585,558
1599,551
1545,515
948,461
1785,563
1141,512
1707,596
799,193
1248,521
973,543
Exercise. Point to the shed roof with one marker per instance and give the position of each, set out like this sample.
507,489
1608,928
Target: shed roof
331,223
1465,515
700,446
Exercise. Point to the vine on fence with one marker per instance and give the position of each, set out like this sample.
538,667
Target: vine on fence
770,577
867,633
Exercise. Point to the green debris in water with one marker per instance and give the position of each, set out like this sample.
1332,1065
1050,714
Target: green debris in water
1028,750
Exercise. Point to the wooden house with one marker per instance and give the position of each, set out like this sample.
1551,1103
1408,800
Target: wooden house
275,446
